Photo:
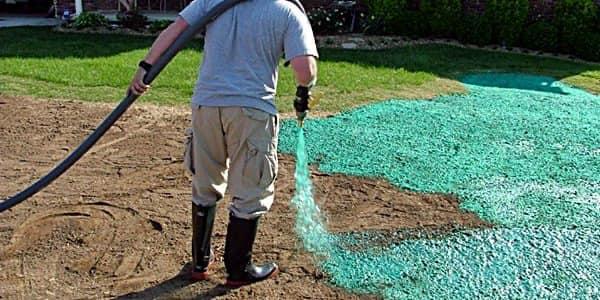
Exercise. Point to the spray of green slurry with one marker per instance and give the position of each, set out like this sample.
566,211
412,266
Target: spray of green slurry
309,221
520,151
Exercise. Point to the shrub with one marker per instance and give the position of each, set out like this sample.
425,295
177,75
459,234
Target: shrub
395,17
475,29
540,10
132,19
411,23
90,19
330,20
508,18
159,25
571,26
374,25
573,18
541,35
588,46
384,16
442,16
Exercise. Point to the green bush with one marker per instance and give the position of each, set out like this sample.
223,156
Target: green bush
159,25
574,18
384,16
475,29
443,16
541,35
133,20
394,17
330,21
569,26
508,18
411,23
90,19
598,19
588,46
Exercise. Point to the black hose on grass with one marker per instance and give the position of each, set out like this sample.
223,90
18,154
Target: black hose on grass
158,66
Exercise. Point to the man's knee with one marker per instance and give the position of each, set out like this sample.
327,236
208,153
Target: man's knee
251,208
253,185
206,195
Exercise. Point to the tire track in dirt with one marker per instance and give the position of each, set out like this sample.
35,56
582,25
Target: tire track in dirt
111,226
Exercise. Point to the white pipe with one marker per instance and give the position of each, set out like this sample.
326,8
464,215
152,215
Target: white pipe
78,7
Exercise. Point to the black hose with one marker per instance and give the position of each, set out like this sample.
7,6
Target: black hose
158,66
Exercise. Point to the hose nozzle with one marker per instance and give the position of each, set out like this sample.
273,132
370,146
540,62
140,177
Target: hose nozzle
303,103
301,116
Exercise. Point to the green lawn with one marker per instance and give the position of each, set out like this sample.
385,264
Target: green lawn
92,67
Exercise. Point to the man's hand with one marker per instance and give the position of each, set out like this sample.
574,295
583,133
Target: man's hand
137,86
162,42
302,103
305,71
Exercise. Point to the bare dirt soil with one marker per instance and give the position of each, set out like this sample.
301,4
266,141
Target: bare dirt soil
117,225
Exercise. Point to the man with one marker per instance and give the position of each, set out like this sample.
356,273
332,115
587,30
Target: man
235,124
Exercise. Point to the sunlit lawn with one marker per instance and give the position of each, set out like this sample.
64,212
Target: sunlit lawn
92,67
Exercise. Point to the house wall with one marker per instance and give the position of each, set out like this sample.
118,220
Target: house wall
177,5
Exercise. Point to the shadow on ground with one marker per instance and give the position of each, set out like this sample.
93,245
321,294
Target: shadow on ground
176,285
527,83
29,42
453,63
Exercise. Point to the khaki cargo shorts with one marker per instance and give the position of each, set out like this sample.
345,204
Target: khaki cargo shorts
233,148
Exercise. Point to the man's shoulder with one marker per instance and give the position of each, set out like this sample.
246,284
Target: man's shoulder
285,7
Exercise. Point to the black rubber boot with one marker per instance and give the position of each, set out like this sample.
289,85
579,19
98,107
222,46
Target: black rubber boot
202,224
238,254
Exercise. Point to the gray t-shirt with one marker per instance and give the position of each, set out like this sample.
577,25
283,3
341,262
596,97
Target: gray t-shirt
242,49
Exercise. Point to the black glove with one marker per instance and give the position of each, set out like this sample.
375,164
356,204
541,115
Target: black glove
301,103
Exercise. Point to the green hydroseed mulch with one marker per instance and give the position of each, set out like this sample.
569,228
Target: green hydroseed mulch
505,263
538,151
520,151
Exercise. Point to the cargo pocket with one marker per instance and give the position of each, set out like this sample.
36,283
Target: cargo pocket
270,121
188,154
260,168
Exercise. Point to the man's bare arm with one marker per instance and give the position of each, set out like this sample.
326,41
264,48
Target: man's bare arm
160,45
305,70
